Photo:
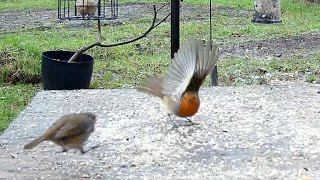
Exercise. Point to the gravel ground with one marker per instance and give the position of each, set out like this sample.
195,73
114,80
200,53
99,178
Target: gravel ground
250,132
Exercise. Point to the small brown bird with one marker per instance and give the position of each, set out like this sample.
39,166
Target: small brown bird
86,7
69,131
179,88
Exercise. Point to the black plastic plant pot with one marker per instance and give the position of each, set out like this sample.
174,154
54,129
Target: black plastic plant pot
58,74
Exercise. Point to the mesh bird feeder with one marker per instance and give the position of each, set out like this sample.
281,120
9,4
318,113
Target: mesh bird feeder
87,9
267,11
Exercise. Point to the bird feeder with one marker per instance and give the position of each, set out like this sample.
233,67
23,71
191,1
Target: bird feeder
87,9
267,11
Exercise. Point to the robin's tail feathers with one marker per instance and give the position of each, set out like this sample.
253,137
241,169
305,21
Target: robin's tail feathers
152,86
33,143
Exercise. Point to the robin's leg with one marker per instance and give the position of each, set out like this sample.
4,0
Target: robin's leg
81,150
174,124
64,149
191,122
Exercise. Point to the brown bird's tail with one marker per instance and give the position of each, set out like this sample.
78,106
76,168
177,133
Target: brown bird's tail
152,86
33,143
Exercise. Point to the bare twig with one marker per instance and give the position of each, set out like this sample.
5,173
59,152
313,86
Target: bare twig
143,35
76,56
164,19
163,6
137,38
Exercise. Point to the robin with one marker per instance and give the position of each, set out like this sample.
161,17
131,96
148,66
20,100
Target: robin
179,88
69,131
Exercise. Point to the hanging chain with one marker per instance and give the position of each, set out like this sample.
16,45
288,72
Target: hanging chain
210,22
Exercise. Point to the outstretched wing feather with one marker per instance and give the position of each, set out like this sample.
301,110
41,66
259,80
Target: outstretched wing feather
181,69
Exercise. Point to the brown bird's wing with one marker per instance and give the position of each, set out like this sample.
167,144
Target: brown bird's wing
206,60
57,125
181,69
74,127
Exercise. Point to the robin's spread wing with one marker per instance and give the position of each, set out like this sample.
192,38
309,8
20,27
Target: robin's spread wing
182,68
206,60
74,128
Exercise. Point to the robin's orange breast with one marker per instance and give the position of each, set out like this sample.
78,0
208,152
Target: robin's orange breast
189,106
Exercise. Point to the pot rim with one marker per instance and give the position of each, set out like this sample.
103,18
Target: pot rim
86,56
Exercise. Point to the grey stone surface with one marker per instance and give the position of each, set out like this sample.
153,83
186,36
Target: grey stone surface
250,132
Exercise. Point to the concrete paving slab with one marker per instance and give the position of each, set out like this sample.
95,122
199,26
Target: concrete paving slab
249,132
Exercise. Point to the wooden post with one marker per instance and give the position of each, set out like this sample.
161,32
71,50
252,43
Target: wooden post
267,11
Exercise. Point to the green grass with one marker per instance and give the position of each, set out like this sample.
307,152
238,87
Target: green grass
12,100
28,4
124,66
244,71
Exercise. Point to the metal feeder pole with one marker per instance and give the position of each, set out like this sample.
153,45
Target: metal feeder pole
214,75
175,26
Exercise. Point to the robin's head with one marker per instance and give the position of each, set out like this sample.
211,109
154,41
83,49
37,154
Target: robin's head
190,96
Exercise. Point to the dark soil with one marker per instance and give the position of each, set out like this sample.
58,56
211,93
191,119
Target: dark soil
304,45
313,1
6,58
19,76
